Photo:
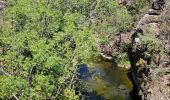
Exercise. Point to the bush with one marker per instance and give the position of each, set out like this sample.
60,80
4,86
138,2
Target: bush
138,8
151,43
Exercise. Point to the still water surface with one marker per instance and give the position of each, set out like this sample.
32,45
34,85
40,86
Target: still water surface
106,82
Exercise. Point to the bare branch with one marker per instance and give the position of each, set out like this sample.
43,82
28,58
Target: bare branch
15,96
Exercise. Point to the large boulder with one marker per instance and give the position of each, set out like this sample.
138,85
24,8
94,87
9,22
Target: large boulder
153,12
147,19
158,4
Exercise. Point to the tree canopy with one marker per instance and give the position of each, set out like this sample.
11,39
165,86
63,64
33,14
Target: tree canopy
43,42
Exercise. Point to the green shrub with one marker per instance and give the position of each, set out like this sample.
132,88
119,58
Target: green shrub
161,71
151,43
138,8
45,40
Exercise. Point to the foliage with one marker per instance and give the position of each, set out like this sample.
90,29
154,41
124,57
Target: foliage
157,73
43,41
161,71
108,18
153,44
121,56
138,8
69,93
42,46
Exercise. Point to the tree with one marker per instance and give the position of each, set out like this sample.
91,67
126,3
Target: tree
43,41
42,47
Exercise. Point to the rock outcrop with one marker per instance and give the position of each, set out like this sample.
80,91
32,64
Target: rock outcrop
142,74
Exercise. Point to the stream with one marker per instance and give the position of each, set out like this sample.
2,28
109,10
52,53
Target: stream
104,81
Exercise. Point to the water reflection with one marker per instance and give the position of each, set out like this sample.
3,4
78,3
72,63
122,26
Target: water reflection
102,80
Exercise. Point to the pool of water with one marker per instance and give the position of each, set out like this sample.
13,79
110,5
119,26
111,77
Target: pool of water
104,81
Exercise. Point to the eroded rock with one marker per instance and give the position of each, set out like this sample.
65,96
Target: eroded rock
154,12
149,85
158,4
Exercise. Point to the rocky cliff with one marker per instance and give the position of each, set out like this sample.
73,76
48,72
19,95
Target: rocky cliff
150,85
149,50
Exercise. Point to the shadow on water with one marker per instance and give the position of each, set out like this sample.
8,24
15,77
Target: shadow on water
104,81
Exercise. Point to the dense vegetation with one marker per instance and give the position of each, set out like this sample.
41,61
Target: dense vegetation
43,41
